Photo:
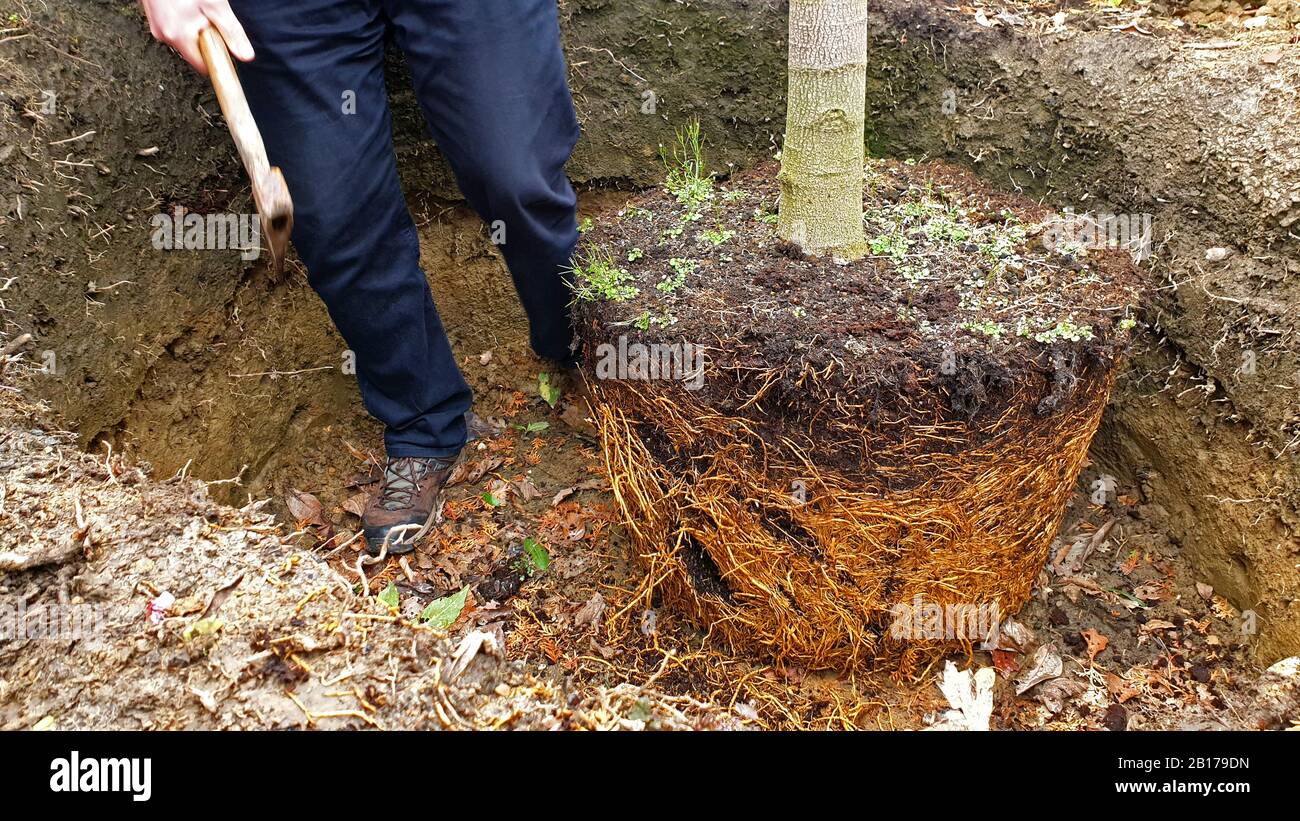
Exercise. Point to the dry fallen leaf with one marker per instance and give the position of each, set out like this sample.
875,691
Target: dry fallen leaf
1130,563
1054,693
1223,608
500,490
1153,591
359,454
478,470
1153,625
970,696
590,484
1004,661
1012,635
219,597
1044,664
1097,642
1121,689
305,508
356,505
591,612
527,490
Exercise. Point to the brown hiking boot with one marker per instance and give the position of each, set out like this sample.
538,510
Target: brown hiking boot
408,503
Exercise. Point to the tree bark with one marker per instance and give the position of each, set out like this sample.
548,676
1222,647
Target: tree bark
821,161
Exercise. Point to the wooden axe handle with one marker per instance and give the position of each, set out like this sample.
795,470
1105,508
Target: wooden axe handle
269,190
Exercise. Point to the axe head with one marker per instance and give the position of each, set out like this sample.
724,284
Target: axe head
275,208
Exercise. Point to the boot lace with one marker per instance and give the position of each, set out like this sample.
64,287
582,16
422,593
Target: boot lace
402,479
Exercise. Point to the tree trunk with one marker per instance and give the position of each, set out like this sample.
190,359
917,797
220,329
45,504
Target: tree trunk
821,161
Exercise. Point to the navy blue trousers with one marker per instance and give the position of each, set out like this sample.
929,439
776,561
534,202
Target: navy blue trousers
491,80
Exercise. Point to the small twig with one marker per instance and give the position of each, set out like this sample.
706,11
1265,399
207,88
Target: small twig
15,344
363,559
350,540
276,374
90,133
108,462
237,480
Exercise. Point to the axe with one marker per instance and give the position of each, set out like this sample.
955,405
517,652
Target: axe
271,195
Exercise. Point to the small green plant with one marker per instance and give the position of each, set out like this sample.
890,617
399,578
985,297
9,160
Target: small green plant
637,212
536,558
681,269
1002,240
684,161
913,274
547,389
649,319
734,195
946,228
919,206
598,277
1064,329
585,225
682,266
442,613
717,236
635,254
893,245
798,312
987,327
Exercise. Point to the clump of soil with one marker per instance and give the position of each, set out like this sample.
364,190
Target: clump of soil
959,290
818,443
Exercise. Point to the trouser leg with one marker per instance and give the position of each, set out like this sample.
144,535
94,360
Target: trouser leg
491,78
317,92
